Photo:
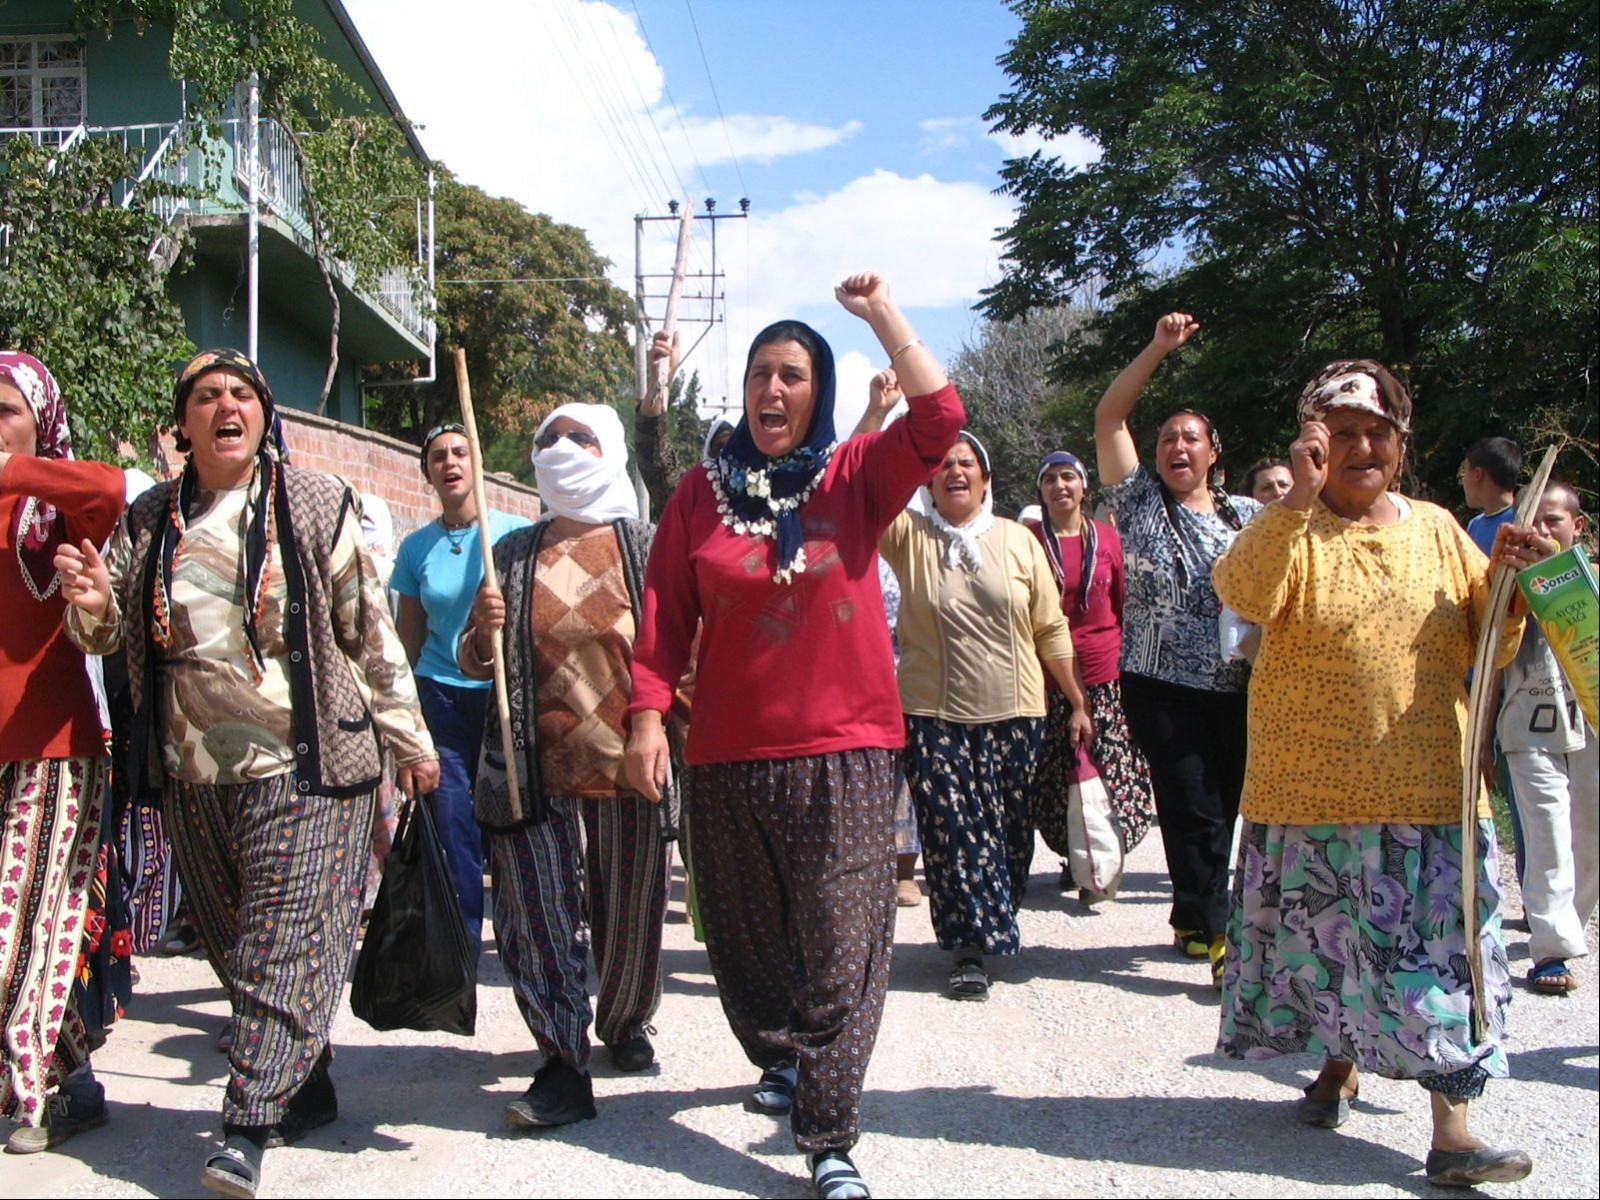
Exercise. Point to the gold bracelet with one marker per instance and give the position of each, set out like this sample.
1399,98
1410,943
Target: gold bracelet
903,349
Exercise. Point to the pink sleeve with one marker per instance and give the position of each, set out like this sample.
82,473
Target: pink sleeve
893,464
671,606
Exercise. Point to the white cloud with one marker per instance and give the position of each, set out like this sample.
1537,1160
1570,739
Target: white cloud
1075,150
943,133
759,139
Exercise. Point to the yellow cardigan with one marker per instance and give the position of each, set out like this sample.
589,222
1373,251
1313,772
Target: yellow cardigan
1358,700
970,644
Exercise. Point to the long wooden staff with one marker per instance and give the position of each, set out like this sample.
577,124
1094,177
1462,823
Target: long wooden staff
1502,582
655,395
480,497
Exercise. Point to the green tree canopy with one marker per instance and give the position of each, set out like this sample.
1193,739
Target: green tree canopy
79,292
1412,180
526,297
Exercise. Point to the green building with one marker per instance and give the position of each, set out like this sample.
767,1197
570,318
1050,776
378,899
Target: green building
58,86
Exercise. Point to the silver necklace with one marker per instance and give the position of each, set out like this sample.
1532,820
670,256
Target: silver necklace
455,534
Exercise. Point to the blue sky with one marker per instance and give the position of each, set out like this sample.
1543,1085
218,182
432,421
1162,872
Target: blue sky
857,128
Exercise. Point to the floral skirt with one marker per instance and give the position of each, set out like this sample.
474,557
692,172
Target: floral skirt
970,784
50,814
1120,762
1347,940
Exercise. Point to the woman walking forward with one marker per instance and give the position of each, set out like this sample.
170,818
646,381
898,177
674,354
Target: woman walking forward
53,777
1085,557
1346,935
579,851
1185,704
262,662
979,613
797,721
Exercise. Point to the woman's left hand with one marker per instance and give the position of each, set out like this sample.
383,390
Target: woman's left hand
418,778
1080,730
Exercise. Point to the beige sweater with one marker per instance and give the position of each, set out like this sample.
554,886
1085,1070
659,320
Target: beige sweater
971,643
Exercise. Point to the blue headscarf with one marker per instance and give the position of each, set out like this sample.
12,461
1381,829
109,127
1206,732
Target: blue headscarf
795,475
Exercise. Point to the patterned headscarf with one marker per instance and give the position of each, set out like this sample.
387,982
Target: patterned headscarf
38,527
1089,539
963,543
762,495
1359,383
259,506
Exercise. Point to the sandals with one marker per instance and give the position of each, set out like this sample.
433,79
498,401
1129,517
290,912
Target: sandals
774,1094
835,1177
969,981
232,1172
1323,1114
1552,978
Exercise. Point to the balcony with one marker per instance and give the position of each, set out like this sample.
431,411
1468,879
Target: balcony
217,170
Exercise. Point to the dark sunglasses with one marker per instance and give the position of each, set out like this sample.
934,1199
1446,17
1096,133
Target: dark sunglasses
578,437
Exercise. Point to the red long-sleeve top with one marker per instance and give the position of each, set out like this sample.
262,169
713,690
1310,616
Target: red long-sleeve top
797,669
47,708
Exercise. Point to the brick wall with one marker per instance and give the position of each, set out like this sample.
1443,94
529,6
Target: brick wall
376,463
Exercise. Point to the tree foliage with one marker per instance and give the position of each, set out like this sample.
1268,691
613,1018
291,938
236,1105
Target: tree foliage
79,292
526,297
1413,180
349,160
1015,406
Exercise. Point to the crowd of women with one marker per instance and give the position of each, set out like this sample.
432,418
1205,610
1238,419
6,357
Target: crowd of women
269,693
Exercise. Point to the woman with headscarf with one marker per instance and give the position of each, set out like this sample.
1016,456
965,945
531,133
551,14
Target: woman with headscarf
577,846
1085,557
53,768
436,576
797,724
1185,704
262,665
1347,936
979,614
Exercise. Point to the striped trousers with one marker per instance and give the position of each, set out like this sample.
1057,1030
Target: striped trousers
275,881
50,814
593,870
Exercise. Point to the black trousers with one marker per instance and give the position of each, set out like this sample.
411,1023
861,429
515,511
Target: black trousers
1195,743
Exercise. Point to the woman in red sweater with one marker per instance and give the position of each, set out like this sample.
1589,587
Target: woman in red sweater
772,548
52,762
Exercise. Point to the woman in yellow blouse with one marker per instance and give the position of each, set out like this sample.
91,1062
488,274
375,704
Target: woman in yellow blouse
979,612
1346,935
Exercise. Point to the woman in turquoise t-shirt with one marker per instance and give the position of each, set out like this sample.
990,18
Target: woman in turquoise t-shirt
436,574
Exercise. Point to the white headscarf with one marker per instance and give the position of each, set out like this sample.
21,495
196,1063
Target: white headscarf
573,482
963,543
377,531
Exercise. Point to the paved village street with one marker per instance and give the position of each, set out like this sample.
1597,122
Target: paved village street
1088,1072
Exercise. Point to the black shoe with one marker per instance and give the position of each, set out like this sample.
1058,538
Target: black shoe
1468,1168
634,1054
234,1170
65,1114
559,1095
312,1107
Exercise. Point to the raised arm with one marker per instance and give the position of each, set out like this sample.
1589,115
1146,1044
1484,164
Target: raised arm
1113,441
883,394
867,296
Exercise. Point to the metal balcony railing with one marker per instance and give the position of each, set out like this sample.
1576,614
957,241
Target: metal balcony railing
168,155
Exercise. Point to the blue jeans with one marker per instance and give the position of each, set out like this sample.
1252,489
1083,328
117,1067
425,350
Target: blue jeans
455,719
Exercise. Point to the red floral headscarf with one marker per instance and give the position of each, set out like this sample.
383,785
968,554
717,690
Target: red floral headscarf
39,528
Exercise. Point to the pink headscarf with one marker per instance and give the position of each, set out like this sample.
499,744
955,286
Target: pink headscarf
39,528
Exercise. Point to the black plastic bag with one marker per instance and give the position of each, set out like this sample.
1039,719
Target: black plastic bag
416,969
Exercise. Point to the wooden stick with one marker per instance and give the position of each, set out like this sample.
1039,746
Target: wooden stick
480,497
1502,582
655,397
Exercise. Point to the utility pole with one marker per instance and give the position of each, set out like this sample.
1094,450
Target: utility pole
657,472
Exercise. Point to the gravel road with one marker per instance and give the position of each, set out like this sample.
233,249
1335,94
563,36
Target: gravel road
1088,1072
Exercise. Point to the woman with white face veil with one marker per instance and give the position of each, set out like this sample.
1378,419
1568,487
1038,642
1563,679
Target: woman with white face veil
572,586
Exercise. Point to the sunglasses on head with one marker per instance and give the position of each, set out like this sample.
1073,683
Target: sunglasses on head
578,437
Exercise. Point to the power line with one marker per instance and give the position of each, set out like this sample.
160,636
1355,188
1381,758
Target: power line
672,100
630,113
714,99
